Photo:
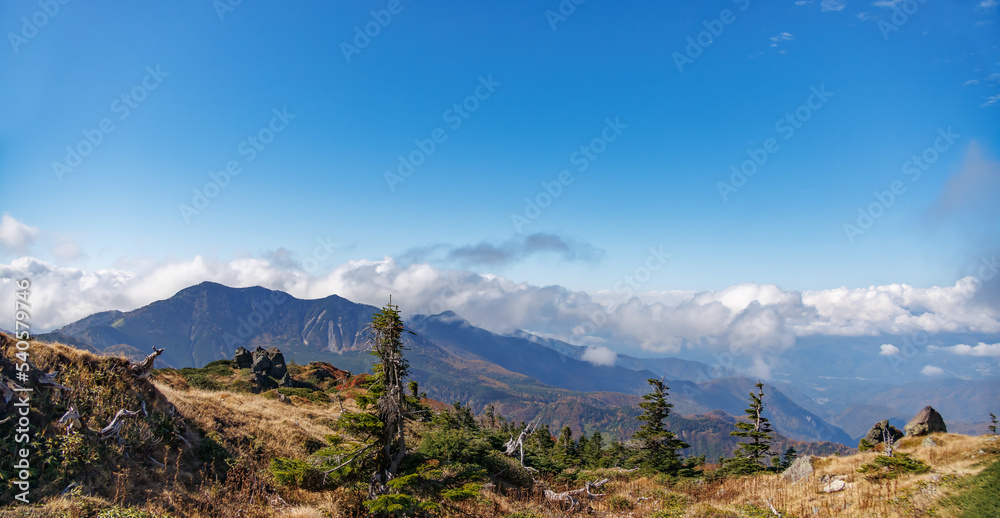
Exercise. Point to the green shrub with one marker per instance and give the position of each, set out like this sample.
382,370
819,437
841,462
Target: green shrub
885,467
296,473
201,381
619,503
864,445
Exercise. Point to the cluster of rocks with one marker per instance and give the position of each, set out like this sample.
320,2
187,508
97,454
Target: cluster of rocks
264,364
926,422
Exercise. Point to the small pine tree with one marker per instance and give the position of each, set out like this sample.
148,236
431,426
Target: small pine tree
566,447
993,427
659,445
382,425
790,456
749,455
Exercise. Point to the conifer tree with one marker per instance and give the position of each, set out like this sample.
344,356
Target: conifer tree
993,427
382,425
659,445
749,455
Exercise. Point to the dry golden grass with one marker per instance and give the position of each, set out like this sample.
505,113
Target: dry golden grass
256,422
909,495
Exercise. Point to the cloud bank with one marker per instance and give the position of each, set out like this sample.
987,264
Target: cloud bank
758,319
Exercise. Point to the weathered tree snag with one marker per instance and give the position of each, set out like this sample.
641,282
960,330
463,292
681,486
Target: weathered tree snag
71,419
50,380
142,370
571,496
518,444
114,428
8,394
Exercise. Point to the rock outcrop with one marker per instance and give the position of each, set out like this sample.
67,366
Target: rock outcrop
801,469
927,421
878,432
243,358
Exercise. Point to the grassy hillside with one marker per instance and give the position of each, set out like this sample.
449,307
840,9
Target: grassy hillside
206,443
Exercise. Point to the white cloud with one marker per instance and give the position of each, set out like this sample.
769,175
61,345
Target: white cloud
931,370
784,36
833,5
600,355
888,350
759,321
981,349
985,4
15,236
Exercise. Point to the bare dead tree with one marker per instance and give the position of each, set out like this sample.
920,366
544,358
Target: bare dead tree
518,444
143,368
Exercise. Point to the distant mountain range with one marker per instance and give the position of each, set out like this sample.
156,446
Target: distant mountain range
521,374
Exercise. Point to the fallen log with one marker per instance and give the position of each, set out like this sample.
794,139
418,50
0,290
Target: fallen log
571,497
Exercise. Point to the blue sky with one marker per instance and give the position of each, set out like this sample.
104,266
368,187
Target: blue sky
221,78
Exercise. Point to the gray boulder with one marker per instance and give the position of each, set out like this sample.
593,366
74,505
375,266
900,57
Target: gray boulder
261,361
243,358
278,368
801,469
877,433
927,421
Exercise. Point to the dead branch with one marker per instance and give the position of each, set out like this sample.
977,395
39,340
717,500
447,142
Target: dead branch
8,394
183,440
570,496
518,444
114,428
773,510
50,380
71,420
142,370
346,462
